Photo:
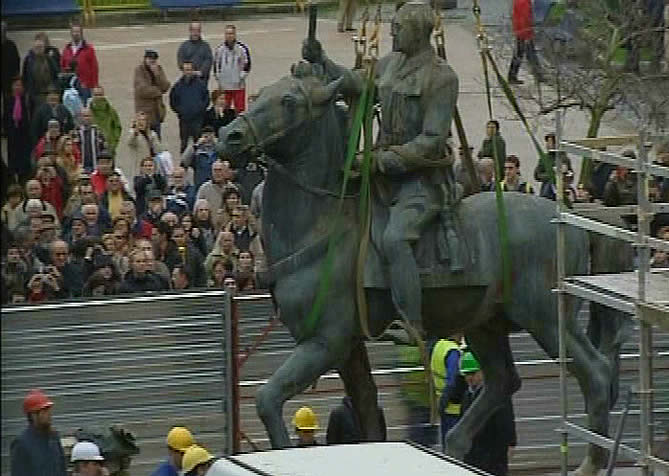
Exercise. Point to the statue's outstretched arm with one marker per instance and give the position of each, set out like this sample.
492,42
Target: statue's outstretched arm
313,52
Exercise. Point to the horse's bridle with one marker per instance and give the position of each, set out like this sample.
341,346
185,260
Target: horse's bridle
256,148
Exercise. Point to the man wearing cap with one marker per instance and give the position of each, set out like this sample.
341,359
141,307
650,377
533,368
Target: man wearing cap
150,84
37,451
179,439
87,460
197,461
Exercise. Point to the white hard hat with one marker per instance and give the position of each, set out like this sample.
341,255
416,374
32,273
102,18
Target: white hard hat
86,451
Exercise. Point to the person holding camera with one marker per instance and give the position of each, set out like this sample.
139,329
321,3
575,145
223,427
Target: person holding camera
42,287
192,261
621,188
148,183
143,143
68,274
200,156
242,226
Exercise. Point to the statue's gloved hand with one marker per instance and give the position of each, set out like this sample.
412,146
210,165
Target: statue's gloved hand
358,160
389,162
312,51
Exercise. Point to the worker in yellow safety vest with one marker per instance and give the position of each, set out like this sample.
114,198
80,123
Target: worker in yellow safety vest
449,385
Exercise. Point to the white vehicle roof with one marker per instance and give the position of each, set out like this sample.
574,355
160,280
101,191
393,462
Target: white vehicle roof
387,459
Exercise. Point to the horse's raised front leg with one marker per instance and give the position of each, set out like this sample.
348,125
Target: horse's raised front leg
309,360
359,384
501,381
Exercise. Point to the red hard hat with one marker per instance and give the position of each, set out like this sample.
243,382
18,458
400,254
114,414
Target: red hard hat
35,401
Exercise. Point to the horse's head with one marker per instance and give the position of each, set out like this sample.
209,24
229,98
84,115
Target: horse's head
281,112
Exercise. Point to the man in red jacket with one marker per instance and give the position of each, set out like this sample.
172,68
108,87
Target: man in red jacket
87,63
523,30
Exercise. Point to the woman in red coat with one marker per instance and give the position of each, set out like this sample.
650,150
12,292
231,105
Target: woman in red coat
523,30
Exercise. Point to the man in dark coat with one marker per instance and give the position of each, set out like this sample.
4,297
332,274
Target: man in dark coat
189,99
140,278
52,109
344,424
493,444
192,261
37,451
11,65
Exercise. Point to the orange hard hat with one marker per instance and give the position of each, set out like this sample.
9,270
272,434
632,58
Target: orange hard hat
35,401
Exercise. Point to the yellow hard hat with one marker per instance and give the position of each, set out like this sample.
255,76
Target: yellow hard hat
305,419
193,456
179,438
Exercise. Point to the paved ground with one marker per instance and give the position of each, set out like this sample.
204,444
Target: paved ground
275,44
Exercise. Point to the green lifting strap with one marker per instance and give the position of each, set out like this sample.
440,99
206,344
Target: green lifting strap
362,116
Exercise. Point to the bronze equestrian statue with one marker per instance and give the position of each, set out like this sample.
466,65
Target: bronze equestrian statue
302,131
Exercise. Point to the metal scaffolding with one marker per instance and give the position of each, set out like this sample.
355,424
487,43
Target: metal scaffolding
642,293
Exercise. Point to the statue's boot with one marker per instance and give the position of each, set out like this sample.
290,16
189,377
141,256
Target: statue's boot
454,252
452,242
405,285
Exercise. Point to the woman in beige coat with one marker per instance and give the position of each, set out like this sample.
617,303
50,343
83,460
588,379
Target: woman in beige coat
150,84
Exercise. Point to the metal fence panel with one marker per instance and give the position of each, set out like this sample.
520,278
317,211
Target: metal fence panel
147,363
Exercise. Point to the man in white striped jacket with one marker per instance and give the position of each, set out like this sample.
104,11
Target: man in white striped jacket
232,63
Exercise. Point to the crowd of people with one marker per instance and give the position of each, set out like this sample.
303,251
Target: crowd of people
77,223
80,220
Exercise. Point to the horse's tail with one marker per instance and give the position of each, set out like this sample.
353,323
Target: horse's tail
609,329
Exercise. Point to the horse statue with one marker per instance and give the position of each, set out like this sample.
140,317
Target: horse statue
300,126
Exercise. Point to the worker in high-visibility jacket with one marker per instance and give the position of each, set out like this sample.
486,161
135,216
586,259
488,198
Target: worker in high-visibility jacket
448,383
415,395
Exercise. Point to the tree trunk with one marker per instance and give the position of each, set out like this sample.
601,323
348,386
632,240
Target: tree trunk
596,116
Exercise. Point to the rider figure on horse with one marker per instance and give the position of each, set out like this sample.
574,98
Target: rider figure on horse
417,91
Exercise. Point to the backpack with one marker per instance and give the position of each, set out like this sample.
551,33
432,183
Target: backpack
71,98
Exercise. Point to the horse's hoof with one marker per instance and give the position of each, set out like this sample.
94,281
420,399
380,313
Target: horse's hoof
455,450
587,468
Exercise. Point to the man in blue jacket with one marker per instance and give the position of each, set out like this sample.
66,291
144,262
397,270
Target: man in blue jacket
189,99
37,451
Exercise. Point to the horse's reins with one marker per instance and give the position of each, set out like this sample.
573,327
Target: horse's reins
258,146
